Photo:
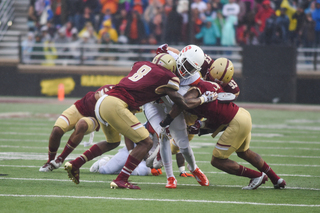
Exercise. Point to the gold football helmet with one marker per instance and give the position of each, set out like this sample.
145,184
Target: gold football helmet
221,71
165,60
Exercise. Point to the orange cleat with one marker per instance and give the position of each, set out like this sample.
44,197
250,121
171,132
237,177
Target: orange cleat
171,183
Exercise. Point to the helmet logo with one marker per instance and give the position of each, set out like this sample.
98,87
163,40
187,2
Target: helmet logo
186,49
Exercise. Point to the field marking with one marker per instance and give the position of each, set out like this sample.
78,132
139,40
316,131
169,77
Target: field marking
150,183
161,200
43,156
175,171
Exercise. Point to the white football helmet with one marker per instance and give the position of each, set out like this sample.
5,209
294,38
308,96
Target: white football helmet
190,60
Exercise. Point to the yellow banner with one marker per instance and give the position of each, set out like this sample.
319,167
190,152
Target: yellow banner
99,80
50,87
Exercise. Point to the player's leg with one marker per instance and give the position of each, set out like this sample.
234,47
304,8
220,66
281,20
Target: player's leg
236,137
154,114
84,126
116,113
63,124
255,159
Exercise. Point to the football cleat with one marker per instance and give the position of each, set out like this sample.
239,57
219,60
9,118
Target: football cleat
185,174
171,183
95,167
280,184
156,172
256,182
47,167
73,173
122,185
200,177
56,163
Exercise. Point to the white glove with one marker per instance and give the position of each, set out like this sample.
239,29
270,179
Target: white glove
165,133
208,96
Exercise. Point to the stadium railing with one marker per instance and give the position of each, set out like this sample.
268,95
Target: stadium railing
123,55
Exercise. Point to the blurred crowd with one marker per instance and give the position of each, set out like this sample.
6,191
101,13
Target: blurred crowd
212,22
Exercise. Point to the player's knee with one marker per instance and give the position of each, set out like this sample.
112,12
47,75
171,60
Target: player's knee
57,132
243,155
81,126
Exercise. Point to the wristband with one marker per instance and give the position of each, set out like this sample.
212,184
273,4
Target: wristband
167,121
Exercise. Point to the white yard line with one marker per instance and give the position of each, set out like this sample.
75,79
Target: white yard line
161,200
148,183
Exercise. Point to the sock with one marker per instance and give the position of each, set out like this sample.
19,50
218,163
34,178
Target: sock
166,157
70,146
246,172
128,168
271,174
88,155
52,154
189,157
182,169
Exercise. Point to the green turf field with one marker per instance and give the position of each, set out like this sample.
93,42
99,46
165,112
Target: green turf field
289,141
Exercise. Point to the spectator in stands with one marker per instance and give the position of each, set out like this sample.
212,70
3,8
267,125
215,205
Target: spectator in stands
231,9
150,12
300,17
37,51
87,42
196,21
316,18
120,19
45,34
219,22
200,5
135,31
173,27
50,53
74,44
157,25
68,27
311,7
216,6
260,18
61,42
111,5
26,46
88,27
86,17
282,27
60,11
209,33
137,5
228,36
247,11
107,34
33,17
104,17
290,10
308,34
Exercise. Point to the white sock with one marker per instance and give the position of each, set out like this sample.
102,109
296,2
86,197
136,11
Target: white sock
166,156
182,169
189,157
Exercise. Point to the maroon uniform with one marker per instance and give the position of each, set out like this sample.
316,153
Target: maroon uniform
216,113
143,84
86,104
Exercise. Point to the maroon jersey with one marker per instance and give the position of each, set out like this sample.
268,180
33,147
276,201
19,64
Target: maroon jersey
86,104
208,61
143,84
216,113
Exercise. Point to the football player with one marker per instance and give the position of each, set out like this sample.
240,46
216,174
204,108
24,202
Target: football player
235,138
80,117
146,82
189,61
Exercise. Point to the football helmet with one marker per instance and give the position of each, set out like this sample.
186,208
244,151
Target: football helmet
165,60
190,60
221,71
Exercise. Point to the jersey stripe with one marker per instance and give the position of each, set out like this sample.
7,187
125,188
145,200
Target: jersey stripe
225,71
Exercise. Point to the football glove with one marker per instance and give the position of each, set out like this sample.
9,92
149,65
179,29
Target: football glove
208,96
195,128
156,172
162,49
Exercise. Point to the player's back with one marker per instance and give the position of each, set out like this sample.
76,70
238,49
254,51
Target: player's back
143,84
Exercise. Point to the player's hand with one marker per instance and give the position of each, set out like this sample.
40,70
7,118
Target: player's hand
195,128
165,133
162,49
208,96
156,172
